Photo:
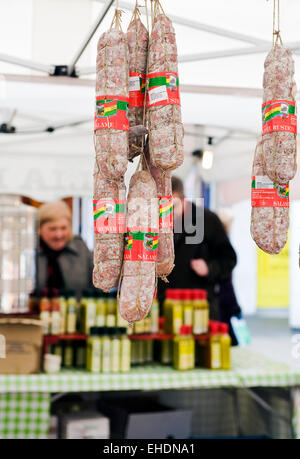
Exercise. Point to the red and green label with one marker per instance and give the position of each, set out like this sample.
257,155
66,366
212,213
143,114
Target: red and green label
109,216
279,116
166,212
265,193
111,113
137,85
163,89
140,246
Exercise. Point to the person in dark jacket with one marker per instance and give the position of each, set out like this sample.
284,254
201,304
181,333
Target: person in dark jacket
64,260
203,264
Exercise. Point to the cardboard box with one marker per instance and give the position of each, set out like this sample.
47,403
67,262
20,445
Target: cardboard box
145,418
23,345
84,425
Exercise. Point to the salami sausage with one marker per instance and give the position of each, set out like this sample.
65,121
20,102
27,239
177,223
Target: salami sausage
163,101
137,37
139,278
109,246
269,225
165,253
112,98
279,118
111,146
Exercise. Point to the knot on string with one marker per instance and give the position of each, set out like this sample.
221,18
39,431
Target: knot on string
117,19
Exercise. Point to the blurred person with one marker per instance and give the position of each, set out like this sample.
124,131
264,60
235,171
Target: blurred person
64,260
228,304
202,265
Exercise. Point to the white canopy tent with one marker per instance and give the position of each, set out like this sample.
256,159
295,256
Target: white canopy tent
221,45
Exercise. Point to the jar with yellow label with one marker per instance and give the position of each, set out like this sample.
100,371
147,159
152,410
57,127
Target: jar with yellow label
225,346
187,304
200,312
173,311
214,347
184,349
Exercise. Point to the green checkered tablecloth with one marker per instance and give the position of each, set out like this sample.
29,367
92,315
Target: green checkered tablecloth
25,399
24,415
248,369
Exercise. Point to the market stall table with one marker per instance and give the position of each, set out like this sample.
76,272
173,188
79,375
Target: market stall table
25,399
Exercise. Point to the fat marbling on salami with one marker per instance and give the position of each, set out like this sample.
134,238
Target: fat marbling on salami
279,115
112,99
109,224
111,147
165,253
163,99
140,253
137,37
270,208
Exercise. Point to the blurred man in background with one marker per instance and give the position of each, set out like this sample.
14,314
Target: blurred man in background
203,264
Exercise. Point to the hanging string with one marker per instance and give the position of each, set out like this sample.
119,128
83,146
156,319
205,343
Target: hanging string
276,32
147,15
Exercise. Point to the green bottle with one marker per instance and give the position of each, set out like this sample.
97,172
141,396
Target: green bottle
125,351
105,350
93,362
68,354
115,350
88,310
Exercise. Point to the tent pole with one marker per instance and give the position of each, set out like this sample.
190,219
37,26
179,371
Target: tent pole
90,35
233,52
200,26
26,63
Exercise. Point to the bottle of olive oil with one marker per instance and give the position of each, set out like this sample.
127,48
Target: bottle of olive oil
115,345
125,351
105,351
100,309
71,312
94,351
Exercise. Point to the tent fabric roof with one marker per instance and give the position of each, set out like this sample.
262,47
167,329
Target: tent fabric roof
221,95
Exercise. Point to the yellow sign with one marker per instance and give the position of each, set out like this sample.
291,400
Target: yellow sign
273,279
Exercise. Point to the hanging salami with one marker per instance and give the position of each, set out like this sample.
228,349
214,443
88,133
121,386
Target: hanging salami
270,208
279,120
111,147
163,99
137,37
140,253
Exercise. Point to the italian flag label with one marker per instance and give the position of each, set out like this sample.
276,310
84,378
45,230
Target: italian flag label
165,212
279,116
163,89
111,113
109,216
140,246
265,193
137,85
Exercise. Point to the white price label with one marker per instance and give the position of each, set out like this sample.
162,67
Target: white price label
134,83
262,182
158,94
